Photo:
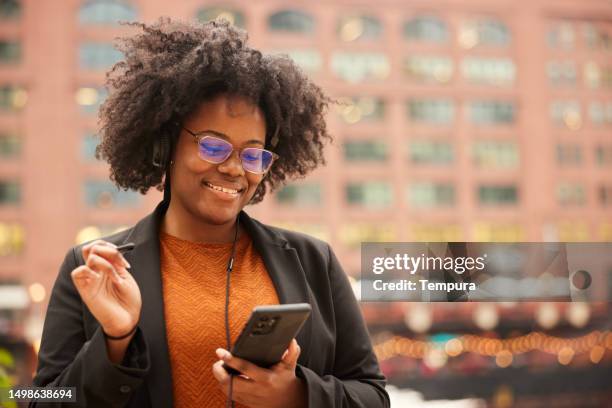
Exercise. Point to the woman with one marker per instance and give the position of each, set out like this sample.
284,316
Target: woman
194,109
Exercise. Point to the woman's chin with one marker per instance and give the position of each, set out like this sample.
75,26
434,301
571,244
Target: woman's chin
219,214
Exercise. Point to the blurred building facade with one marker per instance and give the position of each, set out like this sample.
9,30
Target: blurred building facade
458,120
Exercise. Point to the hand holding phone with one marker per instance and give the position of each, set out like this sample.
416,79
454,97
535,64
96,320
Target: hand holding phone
268,332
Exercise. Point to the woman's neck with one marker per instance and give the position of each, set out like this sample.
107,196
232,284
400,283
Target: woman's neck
181,224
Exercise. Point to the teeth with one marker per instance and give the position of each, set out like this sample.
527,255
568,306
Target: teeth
225,190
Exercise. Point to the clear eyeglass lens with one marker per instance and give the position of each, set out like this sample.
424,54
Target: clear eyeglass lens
214,149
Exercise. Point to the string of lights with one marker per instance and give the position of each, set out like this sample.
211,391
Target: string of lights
436,352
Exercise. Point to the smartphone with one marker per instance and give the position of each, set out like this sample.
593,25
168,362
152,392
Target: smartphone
268,333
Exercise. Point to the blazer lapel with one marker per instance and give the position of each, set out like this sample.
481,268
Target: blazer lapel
145,262
285,271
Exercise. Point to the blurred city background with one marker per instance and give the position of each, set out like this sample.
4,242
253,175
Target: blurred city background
461,120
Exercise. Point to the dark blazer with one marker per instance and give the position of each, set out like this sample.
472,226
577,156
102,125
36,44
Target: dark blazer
337,361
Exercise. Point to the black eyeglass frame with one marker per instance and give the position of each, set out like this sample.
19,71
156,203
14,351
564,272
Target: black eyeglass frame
200,135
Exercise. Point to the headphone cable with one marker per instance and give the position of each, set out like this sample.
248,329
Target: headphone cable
228,341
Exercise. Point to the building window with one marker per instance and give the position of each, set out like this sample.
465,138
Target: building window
427,69
426,195
309,60
353,28
353,234
10,52
497,195
106,12
10,9
489,71
430,152
12,238
92,232
487,32
234,17
495,154
10,192
426,29
369,194
603,155
292,21
104,194
597,76
566,114
300,195
570,194
437,233
361,108
569,231
491,112
597,36
89,99
605,195
498,232
365,150
561,36
360,66
98,55
88,146
433,111
605,235
569,154
316,230
601,113
10,145
561,73
12,98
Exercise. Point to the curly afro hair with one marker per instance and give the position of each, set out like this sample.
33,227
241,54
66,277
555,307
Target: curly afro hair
170,67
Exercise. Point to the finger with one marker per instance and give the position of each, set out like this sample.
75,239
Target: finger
244,391
110,254
82,275
86,249
84,280
100,264
123,272
110,251
241,388
219,373
291,356
245,367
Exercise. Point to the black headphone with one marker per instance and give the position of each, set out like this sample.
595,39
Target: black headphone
161,152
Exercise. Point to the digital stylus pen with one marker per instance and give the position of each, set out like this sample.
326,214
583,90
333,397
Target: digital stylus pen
126,247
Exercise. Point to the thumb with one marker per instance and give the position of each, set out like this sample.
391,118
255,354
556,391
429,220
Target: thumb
291,355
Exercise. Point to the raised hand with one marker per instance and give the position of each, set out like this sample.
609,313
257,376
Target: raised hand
107,288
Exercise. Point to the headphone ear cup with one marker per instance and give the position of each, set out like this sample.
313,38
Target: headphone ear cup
161,152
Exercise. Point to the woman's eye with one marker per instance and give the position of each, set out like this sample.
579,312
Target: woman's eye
252,157
212,150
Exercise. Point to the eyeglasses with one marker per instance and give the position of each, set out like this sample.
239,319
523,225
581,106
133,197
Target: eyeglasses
216,150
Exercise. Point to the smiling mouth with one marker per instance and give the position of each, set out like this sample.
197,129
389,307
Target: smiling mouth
226,190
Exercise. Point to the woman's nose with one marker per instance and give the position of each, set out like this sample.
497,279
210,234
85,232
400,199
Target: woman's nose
233,165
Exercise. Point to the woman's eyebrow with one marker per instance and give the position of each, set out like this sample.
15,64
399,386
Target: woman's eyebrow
224,136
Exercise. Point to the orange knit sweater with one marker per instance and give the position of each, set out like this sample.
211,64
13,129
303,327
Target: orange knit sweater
194,279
